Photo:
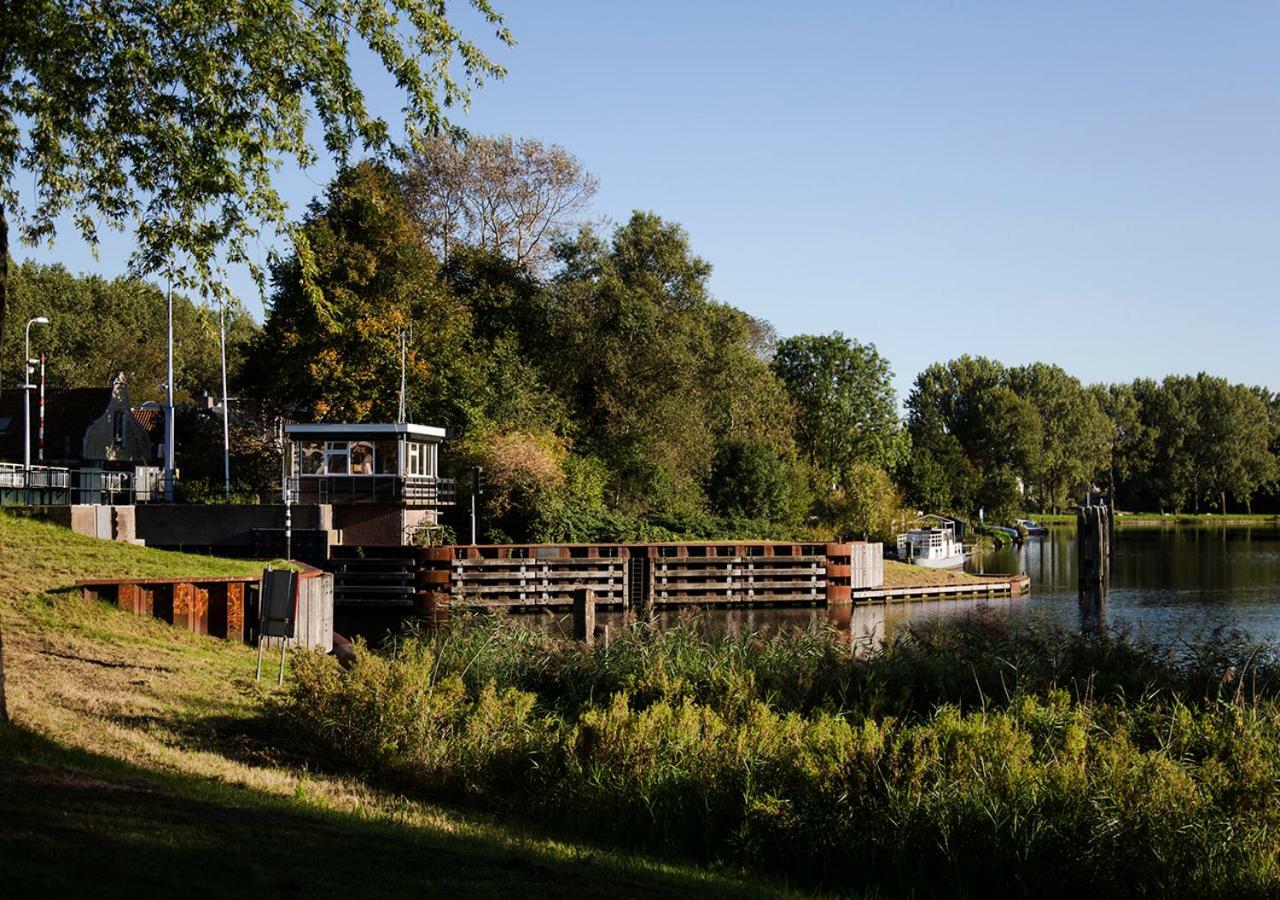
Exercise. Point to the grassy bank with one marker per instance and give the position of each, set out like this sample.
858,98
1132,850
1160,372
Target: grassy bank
964,758
142,760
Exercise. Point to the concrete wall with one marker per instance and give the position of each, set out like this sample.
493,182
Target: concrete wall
221,527
110,523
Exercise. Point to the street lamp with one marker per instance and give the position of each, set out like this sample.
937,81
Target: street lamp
26,397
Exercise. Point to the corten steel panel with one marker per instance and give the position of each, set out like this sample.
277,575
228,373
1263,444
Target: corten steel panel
236,611
127,598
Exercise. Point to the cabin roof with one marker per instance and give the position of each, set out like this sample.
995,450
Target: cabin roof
336,430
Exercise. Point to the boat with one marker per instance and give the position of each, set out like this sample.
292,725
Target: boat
1008,532
1034,528
932,548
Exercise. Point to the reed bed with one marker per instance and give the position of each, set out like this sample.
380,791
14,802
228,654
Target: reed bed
968,757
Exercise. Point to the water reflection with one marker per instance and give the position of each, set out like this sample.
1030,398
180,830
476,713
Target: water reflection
862,626
1167,583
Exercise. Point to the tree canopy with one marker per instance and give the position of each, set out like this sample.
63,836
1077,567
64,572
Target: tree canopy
173,116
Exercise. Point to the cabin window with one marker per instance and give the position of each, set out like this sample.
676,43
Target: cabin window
413,459
312,457
361,458
117,428
336,458
386,458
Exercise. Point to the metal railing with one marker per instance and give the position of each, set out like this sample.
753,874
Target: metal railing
413,490
59,486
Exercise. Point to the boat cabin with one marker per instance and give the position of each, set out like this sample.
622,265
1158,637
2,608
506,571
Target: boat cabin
935,547
396,463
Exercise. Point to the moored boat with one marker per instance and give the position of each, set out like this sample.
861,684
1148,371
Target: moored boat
932,548
1034,528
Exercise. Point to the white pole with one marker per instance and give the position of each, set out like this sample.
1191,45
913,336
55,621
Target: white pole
168,412
26,401
226,403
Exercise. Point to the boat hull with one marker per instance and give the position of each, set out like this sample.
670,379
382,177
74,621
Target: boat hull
942,562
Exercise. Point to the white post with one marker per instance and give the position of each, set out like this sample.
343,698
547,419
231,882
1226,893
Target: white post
168,411
26,401
226,403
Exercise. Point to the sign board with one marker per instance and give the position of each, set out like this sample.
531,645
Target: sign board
279,603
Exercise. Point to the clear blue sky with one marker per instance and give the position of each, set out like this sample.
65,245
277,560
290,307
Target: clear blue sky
1095,185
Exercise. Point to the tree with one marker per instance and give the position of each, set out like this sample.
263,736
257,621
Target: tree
749,479
174,115
331,352
868,506
967,405
1076,435
99,327
843,400
629,320
512,198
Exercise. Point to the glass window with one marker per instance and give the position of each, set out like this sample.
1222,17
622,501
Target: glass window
413,458
336,456
385,458
312,457
361,458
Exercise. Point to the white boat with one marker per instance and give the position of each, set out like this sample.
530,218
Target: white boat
933,548
1034,528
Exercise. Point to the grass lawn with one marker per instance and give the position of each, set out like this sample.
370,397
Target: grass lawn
139,763
900,574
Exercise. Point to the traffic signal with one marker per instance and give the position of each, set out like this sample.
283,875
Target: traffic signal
477,481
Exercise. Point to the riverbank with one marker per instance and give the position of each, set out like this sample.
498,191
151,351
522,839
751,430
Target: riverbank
145,758
1132,518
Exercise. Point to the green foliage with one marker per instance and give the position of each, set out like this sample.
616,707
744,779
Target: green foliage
99,327
868,507
846,412
174,115
974,757
750,479
330,348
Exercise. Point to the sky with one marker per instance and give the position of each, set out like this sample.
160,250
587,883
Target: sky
1095,185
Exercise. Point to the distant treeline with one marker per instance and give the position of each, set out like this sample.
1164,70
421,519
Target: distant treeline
609,395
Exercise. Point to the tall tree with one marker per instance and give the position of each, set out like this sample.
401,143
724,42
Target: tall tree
330,351
630,318
844,404
1075,434
512,198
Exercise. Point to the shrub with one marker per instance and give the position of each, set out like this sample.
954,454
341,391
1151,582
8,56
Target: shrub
971,757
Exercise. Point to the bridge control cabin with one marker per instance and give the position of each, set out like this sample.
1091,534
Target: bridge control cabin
382,479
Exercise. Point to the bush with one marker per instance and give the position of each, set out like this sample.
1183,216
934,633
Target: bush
963,758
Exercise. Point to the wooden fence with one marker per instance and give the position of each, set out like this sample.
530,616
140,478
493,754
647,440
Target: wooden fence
530,576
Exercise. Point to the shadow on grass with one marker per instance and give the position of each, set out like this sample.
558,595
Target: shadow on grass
74,823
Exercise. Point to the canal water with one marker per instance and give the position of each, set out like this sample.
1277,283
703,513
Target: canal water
1169,584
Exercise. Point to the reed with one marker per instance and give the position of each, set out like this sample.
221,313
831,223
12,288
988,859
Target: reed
967,757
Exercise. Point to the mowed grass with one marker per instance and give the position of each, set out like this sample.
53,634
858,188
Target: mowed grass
899,574
140,762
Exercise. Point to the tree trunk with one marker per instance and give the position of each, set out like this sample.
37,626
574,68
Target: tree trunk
4,297
1248,504
1224,503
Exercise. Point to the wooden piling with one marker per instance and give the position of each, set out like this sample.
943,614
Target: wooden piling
584,615
1093,558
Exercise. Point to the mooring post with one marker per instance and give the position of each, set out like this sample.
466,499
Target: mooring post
1093,559
584,615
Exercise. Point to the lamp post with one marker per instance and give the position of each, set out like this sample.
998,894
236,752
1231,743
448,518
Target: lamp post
26,399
